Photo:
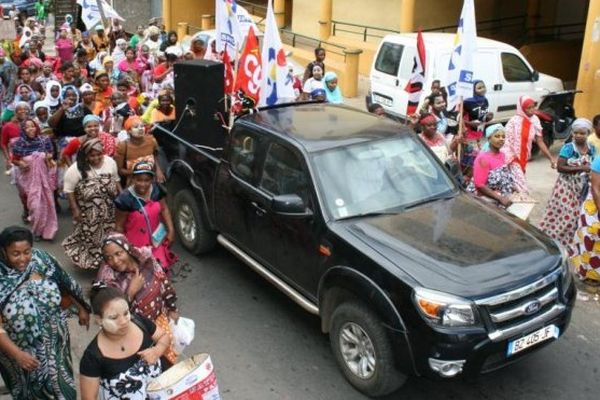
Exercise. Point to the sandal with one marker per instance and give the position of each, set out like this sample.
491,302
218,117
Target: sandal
592,282
25,217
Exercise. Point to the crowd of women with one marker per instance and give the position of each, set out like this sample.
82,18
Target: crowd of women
75,130
493,162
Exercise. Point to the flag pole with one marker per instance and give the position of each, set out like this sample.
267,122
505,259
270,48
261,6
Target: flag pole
232,94
460,133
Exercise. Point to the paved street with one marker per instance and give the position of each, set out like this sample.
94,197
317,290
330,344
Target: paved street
265,347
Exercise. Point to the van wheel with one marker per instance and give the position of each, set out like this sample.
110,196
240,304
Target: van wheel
363,350
190,227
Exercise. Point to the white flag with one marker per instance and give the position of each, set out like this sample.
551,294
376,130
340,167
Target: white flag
110,12
460,68
90,13
228,31
276,87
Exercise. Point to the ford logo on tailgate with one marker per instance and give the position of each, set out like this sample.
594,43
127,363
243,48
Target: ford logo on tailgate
532,307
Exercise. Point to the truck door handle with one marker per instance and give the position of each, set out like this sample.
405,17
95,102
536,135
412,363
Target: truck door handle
498,86
259,210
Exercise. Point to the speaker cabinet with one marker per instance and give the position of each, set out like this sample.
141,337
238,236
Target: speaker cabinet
199,86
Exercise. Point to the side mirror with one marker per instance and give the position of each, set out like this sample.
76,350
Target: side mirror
535,76
290,205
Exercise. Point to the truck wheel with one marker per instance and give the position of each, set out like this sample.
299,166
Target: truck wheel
190,227
363,351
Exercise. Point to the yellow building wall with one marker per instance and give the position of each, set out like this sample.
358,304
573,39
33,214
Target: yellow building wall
378,13
305,17
189,11
587,104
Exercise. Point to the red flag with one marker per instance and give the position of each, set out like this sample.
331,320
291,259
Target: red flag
228,73
414,87
247,83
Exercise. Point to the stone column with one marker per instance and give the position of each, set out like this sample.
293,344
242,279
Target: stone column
325,19
206,23
182,30
166,10
407,16
279,11
350,88
587,103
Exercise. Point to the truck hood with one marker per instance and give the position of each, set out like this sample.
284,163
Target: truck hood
459,246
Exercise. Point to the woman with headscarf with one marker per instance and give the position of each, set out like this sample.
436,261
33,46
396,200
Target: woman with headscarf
41,113
35,351
52,99
114,74
435,140
25,93
476,114
138,147
135,271
492,179
36,179
96,64
332,90
118,53
574,164
92,129
91,185
143,215
521,131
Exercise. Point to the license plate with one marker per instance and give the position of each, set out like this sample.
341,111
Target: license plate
382,100
532,339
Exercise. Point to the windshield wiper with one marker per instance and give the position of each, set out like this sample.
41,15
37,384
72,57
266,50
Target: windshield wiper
449,194
368,214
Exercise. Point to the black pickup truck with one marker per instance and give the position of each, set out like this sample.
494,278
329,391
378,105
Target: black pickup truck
355,220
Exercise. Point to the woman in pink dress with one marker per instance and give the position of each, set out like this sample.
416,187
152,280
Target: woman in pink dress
64,47
521,131
492,178
143,216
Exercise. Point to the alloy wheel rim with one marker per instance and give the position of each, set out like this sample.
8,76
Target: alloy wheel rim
357,350
187,223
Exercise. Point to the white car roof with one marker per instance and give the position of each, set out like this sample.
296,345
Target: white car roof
444,40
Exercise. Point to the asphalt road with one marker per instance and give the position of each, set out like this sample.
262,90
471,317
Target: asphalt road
265,347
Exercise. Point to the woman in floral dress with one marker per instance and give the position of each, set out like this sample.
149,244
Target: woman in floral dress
91,186
35,351
574,160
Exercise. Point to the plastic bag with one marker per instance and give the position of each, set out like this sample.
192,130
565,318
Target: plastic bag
183,333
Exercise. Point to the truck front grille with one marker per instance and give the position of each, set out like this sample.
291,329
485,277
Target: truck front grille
512,312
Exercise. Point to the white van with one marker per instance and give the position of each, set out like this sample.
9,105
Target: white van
505,71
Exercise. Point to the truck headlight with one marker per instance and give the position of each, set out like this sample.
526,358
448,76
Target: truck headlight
445,309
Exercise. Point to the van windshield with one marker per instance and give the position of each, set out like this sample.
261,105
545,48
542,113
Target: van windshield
388,59
379,177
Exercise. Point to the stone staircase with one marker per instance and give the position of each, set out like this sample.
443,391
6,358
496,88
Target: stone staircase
62,8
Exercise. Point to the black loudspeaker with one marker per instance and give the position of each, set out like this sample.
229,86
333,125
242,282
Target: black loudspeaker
199,102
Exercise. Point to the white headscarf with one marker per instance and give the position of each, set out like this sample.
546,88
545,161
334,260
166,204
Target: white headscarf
582,123
118,55
49,100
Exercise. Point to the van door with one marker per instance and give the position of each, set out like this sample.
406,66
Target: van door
516,81
389,77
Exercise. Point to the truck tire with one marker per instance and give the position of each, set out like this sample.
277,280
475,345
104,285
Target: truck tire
363,350
191,228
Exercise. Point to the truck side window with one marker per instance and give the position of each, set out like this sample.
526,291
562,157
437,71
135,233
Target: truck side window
283,173
388,59
243,154
514,69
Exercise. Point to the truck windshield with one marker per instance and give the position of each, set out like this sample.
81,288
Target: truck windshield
379,177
